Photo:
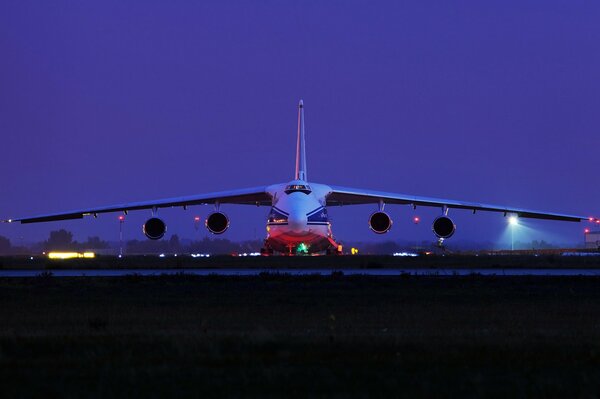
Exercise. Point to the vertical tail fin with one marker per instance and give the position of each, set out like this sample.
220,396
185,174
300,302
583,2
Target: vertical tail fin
300,147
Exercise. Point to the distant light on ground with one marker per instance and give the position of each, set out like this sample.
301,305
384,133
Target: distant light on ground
405,254
70,255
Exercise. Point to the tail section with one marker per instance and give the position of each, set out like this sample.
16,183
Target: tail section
300,146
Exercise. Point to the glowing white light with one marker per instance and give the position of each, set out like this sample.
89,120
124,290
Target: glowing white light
405,254
513,220
200,255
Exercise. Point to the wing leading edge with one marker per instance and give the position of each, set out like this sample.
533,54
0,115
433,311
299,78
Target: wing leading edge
353,196
249,196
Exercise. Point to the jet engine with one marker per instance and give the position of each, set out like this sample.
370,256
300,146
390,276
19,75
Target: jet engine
380,222
217,222
154,228
443,227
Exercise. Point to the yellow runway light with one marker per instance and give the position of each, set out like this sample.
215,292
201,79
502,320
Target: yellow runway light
71,255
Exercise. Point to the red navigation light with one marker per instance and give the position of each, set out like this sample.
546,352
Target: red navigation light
196,218
586,231
121,218
416,219
591,219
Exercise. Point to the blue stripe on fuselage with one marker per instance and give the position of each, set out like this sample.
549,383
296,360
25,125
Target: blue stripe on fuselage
318,215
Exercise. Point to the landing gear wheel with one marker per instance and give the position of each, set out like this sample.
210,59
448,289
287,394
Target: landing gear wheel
266,251
333,251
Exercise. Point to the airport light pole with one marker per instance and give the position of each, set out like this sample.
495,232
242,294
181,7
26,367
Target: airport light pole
513,221
121,221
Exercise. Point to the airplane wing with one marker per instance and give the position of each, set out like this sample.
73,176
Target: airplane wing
353,196
249,196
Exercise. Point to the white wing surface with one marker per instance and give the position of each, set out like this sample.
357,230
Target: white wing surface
354,196
249,196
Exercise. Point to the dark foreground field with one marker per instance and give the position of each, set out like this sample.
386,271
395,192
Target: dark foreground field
282,336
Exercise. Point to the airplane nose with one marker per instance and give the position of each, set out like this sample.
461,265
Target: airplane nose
297,222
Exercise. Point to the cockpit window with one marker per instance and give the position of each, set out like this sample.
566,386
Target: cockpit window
303,188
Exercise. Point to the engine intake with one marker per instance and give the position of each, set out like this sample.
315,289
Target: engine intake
217,222
154,228
443,227
380,222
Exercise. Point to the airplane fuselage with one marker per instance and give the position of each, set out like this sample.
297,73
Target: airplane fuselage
298,221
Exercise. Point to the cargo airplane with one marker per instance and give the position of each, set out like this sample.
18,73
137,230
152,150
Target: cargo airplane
298,222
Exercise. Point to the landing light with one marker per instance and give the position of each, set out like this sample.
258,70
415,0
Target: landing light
513,220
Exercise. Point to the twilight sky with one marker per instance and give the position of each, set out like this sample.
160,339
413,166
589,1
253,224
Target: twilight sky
116,101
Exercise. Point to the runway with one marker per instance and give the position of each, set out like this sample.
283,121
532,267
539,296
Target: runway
446,272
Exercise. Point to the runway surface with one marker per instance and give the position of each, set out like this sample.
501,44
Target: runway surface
447,272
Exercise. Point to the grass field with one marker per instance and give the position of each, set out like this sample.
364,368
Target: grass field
281,336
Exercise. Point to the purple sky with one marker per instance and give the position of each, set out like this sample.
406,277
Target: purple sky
115,101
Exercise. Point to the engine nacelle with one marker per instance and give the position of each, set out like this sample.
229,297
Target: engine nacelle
380,222
154,228
443,227
217,222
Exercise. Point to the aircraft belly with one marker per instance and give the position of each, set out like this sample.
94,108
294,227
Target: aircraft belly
315,237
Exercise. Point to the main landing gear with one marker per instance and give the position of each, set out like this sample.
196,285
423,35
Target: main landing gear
266,250
334,249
